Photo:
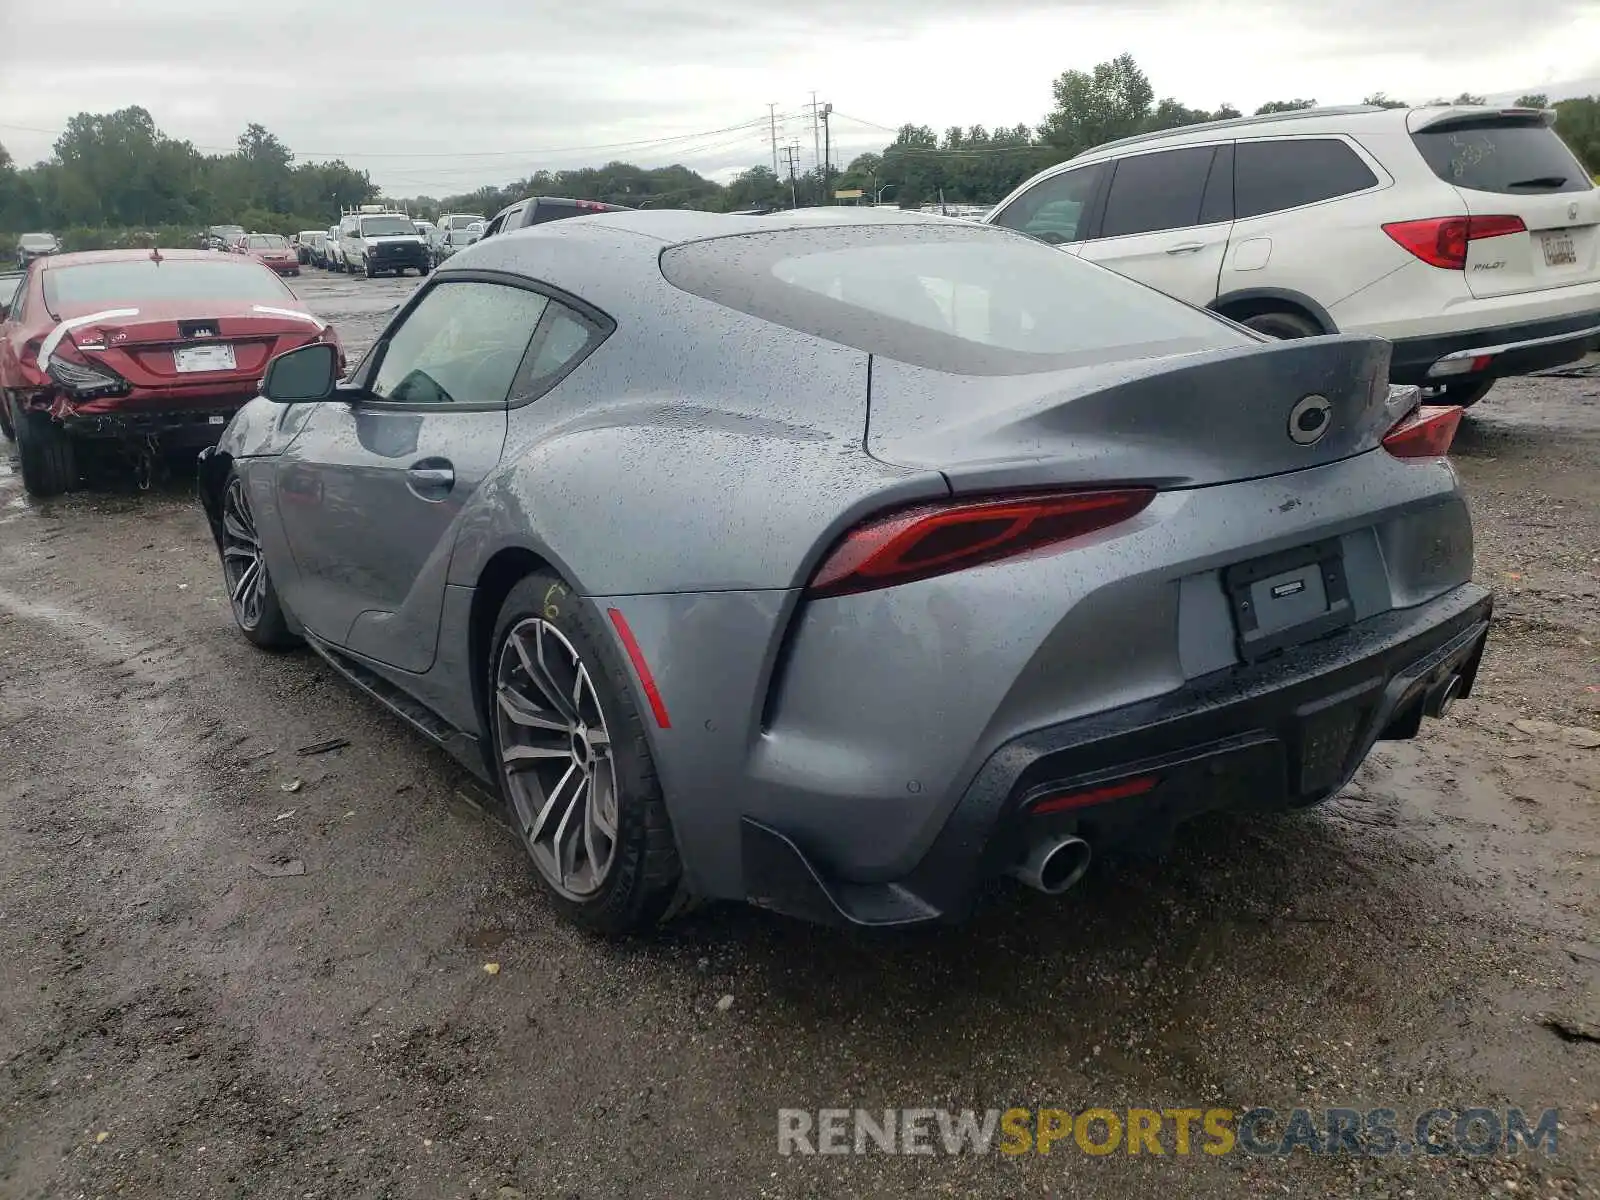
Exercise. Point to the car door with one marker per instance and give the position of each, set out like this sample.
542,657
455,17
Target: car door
1166,220
370,493
1059,209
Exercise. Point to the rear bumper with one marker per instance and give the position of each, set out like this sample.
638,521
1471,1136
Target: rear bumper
199,424
1512,349
1277,734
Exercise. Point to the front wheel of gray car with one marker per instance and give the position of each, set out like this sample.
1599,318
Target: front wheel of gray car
574,765
256,610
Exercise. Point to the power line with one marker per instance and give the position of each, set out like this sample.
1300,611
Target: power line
460,154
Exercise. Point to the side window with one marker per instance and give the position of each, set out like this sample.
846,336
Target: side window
1272,175
347,227
493,227
461,344
1055,209
513,219
563,340
1152,192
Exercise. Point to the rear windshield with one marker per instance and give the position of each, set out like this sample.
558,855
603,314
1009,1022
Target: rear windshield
1516,158
464,222
38,241
969,301
558,210
128,283
384,226
266,241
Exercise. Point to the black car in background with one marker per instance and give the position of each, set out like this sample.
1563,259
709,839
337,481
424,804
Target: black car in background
36,245
536,210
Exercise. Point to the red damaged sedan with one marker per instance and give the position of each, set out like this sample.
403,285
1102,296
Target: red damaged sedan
152,350
271,250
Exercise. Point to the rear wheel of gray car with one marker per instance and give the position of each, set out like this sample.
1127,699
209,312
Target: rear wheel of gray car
49,463
254,600
574,765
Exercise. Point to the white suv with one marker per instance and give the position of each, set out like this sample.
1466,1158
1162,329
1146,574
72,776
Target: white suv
1467,236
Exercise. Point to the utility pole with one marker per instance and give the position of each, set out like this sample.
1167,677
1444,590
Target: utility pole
791,154
816,136
827,149
772,118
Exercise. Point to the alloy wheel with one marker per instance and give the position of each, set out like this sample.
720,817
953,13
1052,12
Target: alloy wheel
243,567
555,756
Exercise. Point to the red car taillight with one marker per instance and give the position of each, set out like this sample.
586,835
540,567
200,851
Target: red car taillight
935,539
1426,433
1442,241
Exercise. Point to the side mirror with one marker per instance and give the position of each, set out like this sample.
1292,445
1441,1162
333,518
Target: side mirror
304,375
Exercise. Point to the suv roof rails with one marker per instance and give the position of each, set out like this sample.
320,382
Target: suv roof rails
1294,114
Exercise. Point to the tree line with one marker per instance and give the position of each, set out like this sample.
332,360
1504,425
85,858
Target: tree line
116,178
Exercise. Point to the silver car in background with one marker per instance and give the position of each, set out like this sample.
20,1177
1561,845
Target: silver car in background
606,513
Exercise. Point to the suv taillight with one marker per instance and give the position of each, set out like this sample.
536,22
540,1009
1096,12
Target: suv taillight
1442,241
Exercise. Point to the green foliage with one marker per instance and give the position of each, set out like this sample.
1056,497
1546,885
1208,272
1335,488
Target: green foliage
1578,123
118,171
116,179
1280,106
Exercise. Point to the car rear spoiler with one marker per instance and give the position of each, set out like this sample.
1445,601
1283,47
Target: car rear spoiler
1446,115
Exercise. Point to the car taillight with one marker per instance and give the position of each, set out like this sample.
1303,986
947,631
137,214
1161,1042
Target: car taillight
84,380
1426,433
1442,241
935,539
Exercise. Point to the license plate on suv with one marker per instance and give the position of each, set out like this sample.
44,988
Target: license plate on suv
188,359
1559,249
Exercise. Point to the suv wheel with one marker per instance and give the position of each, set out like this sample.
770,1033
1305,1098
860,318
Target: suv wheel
49,465
574,765
1464,394
1284,325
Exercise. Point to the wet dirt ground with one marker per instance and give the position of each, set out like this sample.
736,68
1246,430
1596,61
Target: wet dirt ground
181,1018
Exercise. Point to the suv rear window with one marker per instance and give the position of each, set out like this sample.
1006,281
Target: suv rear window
976,301
1275,174
175,279
1514,158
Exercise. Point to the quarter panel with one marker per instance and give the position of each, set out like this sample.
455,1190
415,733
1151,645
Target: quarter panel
696,449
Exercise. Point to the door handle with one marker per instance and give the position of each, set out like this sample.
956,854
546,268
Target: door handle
1186,247
432,482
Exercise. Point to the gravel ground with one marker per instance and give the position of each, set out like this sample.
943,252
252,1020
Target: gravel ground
178,1018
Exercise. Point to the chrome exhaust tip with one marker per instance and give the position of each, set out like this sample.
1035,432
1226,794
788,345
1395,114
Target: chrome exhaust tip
1441,696
1052,867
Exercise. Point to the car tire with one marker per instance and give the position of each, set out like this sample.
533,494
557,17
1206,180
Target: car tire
1464,394
49,460
423,270
251,595
1282,325
638,880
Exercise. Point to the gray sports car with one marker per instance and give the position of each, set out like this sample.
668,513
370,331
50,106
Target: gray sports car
847,565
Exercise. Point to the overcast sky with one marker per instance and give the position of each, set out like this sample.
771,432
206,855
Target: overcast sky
434,98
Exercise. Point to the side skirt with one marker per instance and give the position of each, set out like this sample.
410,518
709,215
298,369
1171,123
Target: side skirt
463,747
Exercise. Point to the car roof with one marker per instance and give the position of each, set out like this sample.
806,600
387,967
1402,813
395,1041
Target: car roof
674,225
1349,118
80,257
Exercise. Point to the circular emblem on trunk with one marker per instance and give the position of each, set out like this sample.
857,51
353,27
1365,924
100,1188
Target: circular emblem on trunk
1309,420
1572,211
